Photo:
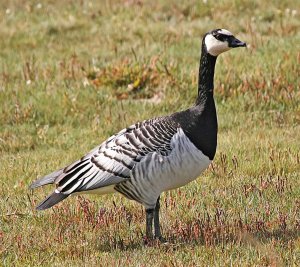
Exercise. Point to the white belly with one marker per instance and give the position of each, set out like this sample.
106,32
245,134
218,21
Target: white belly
159,173
184,165
99,191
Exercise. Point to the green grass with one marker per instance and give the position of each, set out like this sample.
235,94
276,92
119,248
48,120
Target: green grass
73,74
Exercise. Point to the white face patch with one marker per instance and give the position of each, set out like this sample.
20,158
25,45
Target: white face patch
225,32
214,46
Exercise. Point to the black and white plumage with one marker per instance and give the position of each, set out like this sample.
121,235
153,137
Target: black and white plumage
152,156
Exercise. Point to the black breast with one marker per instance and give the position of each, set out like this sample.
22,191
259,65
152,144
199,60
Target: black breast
200,125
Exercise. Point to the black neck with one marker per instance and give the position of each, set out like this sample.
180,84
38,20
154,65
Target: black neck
199,122
206,75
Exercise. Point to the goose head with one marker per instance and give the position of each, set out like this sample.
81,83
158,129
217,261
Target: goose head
220,40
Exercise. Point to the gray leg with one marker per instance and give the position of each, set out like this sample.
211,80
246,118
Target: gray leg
149,222
157,232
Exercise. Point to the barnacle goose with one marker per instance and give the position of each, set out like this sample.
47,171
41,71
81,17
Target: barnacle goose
152,156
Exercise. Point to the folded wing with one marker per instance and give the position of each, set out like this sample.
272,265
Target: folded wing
111,162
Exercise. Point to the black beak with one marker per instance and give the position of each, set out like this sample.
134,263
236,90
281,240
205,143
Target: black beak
233,42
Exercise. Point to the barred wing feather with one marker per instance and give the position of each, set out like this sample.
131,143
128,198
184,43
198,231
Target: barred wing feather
112,162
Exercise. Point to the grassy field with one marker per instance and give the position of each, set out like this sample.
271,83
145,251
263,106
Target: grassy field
73,74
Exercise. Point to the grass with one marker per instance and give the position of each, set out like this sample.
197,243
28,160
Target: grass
72,74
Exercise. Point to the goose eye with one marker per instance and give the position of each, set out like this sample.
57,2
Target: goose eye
220,37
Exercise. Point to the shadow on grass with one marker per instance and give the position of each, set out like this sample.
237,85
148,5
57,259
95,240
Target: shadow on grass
257,239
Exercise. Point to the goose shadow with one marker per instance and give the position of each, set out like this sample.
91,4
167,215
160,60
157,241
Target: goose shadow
256,239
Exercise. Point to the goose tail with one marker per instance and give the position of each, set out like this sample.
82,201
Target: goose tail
51,200
48,179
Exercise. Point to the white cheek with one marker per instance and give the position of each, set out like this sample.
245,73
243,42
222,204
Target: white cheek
214,46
